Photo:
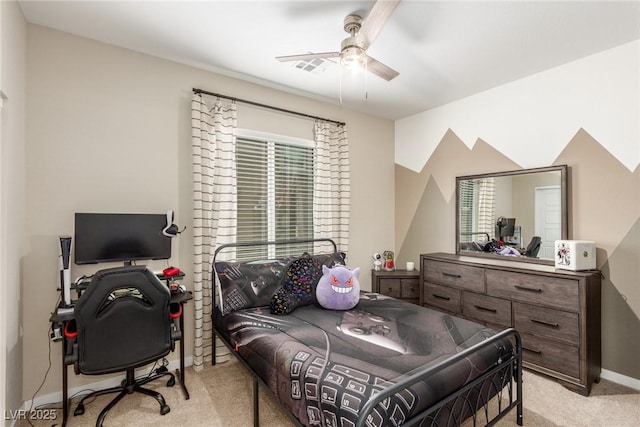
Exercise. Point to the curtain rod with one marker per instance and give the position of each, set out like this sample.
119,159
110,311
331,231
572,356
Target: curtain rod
257,104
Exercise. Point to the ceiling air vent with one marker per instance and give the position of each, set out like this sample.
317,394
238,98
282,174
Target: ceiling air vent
313,65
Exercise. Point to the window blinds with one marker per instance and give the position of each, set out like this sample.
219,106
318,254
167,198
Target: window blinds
467,209
486,206
477,209
275,196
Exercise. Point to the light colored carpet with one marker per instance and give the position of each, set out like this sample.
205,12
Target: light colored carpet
221,396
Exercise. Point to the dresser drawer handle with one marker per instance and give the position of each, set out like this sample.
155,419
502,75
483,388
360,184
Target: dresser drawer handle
481,308
531,350
542,322
457,276
441,297
524,288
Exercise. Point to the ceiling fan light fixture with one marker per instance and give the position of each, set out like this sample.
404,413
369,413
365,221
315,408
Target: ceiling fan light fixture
353,59
352,54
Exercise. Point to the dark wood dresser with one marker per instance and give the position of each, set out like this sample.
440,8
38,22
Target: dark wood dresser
401,284
557,312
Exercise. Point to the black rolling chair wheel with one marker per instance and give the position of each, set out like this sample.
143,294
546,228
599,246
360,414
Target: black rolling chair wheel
171,382
79,410
164,409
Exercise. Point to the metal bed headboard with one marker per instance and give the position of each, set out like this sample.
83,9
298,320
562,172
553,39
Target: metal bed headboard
273,242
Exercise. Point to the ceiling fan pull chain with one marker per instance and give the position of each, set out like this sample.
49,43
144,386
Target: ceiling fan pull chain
340,73
366,79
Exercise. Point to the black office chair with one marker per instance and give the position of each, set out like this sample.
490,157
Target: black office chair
123,322
533,247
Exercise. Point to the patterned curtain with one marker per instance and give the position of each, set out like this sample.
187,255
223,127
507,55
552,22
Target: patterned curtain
214,209
331,190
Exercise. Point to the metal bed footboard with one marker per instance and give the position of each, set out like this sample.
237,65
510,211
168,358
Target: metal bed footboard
504,377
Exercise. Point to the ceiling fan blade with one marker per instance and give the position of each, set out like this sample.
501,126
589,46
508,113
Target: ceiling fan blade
379,69
308,56
375,21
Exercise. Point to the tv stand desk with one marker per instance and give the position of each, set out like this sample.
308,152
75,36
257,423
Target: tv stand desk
63,315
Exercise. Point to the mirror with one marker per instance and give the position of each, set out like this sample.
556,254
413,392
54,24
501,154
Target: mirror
513,215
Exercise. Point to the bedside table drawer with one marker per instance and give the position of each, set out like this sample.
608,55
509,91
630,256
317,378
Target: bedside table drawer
410,288
443,297
461,276
540,321
550,291
487,309
390,287
400,284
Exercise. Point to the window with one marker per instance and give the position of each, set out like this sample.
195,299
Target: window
477,209
468,195
275,193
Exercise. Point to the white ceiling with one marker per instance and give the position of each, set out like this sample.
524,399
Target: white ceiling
444,50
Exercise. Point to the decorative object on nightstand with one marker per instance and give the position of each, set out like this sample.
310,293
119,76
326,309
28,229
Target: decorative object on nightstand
401,284
377,261
388,261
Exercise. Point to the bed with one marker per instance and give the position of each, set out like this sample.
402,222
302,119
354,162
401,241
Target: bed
385,362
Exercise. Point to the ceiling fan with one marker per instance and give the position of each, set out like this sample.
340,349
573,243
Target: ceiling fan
362,33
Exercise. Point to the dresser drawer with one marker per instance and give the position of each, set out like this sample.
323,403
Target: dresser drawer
541,321
535,289
563,358
486,309
442,297
461,276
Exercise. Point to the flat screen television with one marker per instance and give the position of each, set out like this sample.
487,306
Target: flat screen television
111,237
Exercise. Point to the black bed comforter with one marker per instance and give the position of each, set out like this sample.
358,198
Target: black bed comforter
323,364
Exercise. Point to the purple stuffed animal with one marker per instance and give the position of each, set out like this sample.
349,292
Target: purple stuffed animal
338,288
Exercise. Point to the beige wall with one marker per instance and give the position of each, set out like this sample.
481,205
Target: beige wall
13,38
108,129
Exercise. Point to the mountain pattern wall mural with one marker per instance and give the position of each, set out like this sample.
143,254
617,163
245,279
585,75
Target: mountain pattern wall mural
604,206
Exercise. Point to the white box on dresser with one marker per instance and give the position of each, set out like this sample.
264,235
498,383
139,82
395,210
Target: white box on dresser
575,255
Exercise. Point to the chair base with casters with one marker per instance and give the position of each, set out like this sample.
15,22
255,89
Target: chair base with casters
130,385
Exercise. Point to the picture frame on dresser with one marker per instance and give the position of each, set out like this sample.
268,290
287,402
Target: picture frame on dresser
557,312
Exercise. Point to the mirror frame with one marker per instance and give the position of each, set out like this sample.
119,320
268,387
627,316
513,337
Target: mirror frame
564,210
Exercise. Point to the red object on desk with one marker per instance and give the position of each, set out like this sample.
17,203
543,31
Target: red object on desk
171,271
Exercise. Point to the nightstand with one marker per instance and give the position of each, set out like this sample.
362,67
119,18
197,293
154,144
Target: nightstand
401,284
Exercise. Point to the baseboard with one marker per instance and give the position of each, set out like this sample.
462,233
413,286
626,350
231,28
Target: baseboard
617,378
56,397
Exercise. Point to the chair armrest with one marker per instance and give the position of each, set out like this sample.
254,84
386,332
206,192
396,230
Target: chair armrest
175,313
71,351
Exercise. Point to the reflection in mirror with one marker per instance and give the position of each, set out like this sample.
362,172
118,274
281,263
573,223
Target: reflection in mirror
515,214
